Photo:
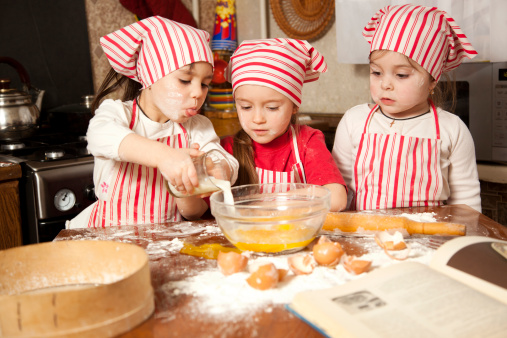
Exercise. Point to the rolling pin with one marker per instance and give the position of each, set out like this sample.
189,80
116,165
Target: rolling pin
351,222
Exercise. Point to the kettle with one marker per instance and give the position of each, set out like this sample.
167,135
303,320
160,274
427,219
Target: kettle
19,116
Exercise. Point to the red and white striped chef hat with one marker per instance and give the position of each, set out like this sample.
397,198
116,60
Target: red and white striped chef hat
148,50
281,64
427,35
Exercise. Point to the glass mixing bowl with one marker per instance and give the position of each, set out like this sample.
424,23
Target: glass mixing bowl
272,218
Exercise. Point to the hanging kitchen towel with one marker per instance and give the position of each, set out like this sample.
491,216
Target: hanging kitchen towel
169,9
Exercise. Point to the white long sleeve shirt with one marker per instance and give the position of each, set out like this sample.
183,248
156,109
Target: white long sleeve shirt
109,127
111,123
457,153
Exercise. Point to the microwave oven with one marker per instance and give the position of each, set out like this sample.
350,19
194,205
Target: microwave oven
481,102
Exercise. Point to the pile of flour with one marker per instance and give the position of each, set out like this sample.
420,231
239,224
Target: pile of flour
230,296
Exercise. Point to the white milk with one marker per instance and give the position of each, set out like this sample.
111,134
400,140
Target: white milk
225,186
212,184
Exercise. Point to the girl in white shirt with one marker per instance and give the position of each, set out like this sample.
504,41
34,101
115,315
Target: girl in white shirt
153,133
403,150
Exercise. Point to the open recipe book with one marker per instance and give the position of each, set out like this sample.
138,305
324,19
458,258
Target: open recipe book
462,293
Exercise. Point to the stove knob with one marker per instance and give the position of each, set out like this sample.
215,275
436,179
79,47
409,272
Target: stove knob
90,192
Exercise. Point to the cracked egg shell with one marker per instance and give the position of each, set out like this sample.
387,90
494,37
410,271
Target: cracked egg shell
265,277
282,273
326,252
356,266
390,241
231,262
301,264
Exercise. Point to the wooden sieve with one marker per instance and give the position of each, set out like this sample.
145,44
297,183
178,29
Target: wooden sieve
74,289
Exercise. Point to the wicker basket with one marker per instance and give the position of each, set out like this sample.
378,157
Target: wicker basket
303,19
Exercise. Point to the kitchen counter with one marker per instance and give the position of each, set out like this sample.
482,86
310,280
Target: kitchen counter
178,313
496,173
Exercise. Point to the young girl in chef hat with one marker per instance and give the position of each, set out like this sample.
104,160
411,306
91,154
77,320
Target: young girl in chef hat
404,150
267,78
155,131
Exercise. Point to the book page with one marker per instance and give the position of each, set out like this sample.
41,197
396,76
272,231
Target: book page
473,261
407,299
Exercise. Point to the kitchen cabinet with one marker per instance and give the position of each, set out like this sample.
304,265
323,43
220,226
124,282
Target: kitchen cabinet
10,217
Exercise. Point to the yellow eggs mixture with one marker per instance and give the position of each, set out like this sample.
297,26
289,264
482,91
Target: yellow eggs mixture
277,239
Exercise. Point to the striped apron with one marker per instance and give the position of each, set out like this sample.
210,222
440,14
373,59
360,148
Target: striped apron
296,175
396,171
136,194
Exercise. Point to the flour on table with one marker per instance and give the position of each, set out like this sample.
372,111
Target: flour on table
162,247
211,229
230,296
421,217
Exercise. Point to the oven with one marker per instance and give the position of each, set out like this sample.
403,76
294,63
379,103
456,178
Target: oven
56,182
482,104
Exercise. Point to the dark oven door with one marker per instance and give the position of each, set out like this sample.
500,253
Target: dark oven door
51,194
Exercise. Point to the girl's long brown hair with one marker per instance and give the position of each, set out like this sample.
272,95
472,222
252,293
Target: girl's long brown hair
444,94
243,151
113,82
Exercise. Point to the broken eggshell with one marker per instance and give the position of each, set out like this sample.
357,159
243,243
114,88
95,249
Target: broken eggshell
393,243
326,252
390,241
301,264
265,277
231,262
354,265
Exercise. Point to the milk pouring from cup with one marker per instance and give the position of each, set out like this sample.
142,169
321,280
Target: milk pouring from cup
214,173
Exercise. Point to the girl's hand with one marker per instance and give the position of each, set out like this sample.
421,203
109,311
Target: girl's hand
175,164
178,169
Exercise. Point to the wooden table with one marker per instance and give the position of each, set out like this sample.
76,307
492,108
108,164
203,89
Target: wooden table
178,321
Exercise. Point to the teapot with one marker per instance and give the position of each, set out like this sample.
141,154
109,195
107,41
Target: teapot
19,116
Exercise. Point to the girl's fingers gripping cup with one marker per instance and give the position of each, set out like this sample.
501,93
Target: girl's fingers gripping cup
214,172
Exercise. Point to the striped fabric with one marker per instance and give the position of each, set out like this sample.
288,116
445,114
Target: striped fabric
281,64
149,49
427,35
138,194
396,171
296,175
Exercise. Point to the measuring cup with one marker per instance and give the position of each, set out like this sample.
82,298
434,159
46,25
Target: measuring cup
214,172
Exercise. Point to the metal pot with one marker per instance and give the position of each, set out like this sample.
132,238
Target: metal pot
19,116
72,117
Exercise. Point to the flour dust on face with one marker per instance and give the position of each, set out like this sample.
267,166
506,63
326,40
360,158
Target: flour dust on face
400,87
179,95
264,113
170,101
